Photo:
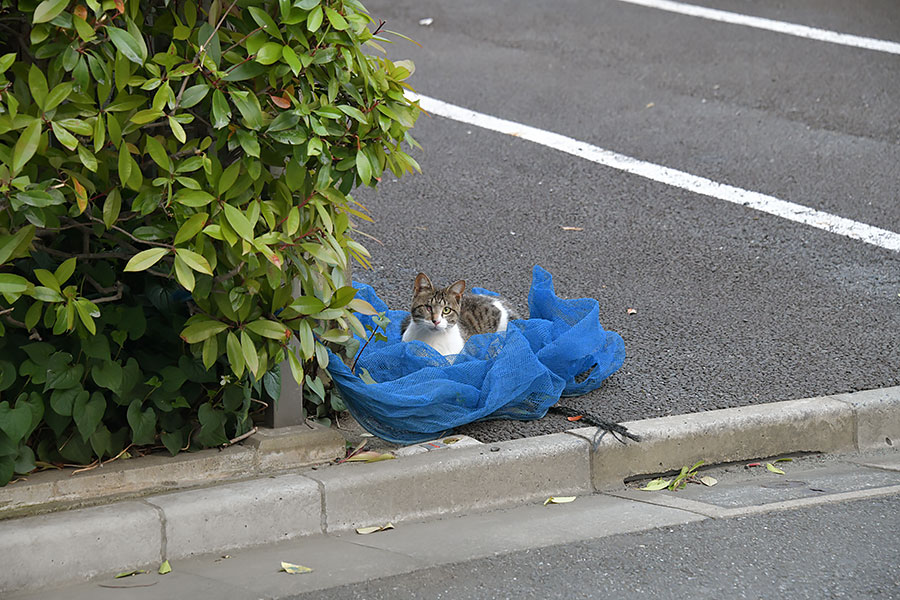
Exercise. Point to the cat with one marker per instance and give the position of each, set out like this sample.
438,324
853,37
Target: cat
445,318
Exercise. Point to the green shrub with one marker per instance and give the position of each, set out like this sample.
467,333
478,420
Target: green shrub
175,214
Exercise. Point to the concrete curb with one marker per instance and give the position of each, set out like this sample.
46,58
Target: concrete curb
82,543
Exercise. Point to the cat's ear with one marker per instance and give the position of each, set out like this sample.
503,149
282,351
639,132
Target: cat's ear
457,289
422,283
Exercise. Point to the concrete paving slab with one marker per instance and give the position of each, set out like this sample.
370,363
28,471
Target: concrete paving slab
333,562
240,514
434,484
877,415
45,550
820,424
149,586
497,532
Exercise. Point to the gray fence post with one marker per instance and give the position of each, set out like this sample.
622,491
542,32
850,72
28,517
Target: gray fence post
288,410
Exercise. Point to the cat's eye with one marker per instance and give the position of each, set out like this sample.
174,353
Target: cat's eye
447,310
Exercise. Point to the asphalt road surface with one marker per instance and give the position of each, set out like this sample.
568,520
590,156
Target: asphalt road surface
832,551
730,306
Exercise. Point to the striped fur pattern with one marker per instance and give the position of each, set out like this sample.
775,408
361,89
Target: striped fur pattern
444,318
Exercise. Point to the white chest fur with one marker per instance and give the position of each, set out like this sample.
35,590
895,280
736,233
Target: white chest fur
447,341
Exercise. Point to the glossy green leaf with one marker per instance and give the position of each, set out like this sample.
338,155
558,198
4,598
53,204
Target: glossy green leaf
269,53
221,112
195,261
314,20
239,222
290,57
202,330
177,130
15,245
146,259
126,44
228,177
88,159
63,136
268,329
26,146
336,19
363,167
248,351
184,275
234,353
265,21
48,10
191,228
194,198
13,284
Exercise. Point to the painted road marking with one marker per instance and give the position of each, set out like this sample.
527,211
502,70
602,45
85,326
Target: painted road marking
803,31
698,185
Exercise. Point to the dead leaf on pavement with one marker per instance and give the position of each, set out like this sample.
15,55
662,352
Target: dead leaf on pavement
374,529
774,469
370,456
559,500
294,569
708,481
165,567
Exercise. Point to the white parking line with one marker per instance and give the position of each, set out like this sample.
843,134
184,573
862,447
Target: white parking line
803,31
698,185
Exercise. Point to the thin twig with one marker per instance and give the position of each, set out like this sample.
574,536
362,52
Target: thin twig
358,354
241,437
229,274
99,463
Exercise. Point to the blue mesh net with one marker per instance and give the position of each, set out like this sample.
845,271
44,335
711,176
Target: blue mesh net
418,394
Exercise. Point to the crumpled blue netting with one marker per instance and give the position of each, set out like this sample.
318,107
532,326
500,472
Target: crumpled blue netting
420,395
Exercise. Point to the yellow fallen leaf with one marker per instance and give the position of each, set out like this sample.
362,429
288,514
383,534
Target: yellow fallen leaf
294,569
373,529
370,456
165,567
559,500
774,469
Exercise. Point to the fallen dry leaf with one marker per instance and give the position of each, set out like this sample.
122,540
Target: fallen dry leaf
708,481
374,529
370,456
294,569
575,418
559,500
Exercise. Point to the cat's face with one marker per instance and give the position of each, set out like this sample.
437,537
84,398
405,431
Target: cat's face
436,308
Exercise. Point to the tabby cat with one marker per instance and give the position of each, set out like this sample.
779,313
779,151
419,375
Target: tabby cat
445,318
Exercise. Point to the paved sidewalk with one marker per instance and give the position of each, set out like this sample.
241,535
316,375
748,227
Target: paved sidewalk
313,505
